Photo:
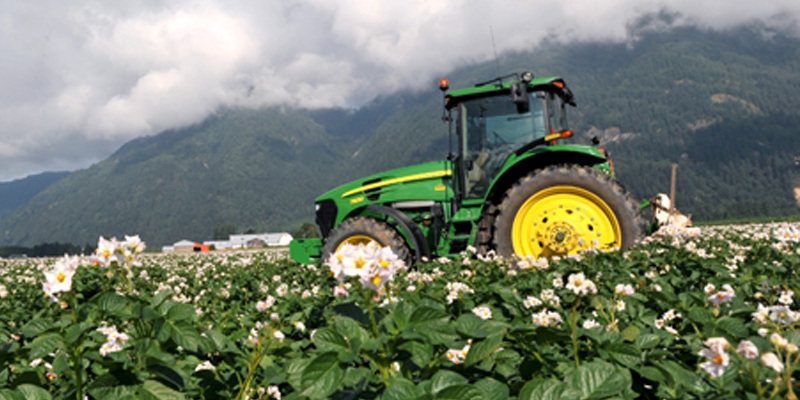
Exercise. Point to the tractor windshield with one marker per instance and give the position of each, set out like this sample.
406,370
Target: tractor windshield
493,127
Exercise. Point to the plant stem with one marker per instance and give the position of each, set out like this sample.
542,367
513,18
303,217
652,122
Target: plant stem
573,326
75,353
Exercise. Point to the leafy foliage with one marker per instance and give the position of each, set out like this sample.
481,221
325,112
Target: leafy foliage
638,324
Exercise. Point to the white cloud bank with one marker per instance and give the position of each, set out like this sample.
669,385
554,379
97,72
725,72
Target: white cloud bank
80,78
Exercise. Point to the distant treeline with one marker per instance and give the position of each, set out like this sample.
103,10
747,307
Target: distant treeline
45,250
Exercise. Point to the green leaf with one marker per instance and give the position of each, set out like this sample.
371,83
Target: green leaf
401,389
630,333
700,315
483,349
461,392
426,314
419,353
33,392
354,376
599,380
328,339
74,332
733,328
471,325
116,385
322,376
185,335
45,344
111,302
294,371
624,354
444,378
493,389
154,390
6,394
676,374
180,312
647,341
36,327
550,389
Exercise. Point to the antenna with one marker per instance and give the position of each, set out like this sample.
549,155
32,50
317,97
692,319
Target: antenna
494,47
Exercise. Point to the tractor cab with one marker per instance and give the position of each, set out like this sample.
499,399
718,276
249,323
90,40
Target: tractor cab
496,120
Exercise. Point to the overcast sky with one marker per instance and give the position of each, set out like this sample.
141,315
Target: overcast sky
80,78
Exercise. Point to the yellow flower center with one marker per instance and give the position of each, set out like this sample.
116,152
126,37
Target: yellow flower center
376,280
61,277
717,359
360,263
106,253
384,263
578,283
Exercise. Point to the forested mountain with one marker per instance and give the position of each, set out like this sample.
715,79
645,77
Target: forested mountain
17,193
724,106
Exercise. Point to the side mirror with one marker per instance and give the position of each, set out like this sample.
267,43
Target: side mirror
519,95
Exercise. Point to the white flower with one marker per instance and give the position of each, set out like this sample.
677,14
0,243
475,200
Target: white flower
580,285
669,315
710,288
264,305
457,356
106,252
723,296
624,289
531,302
778,341
549,296
718,359
279,336
274,392
620,306
59,278
747,349
590,323
786,297
115,340
300,326
483,312
205,366
771,360
546,318
782,315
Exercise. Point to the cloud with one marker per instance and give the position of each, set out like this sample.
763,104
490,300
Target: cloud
81,78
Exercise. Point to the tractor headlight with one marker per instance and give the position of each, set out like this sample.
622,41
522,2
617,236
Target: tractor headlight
527,76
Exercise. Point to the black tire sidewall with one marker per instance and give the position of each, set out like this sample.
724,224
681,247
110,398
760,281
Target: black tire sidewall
376,230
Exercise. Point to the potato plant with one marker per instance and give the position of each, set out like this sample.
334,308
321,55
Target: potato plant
696,313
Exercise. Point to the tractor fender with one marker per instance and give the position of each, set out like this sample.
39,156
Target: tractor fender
421,248
542,157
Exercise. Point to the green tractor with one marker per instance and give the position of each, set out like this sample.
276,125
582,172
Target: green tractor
513,185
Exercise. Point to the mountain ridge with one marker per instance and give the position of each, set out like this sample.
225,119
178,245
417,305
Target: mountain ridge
721,105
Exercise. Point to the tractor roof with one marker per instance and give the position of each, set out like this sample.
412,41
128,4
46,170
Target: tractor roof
499,86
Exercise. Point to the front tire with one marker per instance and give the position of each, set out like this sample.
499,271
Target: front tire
561,211
362,230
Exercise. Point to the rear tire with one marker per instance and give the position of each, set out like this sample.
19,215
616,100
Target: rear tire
561,210
362,230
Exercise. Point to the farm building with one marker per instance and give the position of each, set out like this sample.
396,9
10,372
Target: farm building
260,240
187,246
245,241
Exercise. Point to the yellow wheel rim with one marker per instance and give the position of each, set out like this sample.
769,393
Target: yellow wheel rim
355,240
564,220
